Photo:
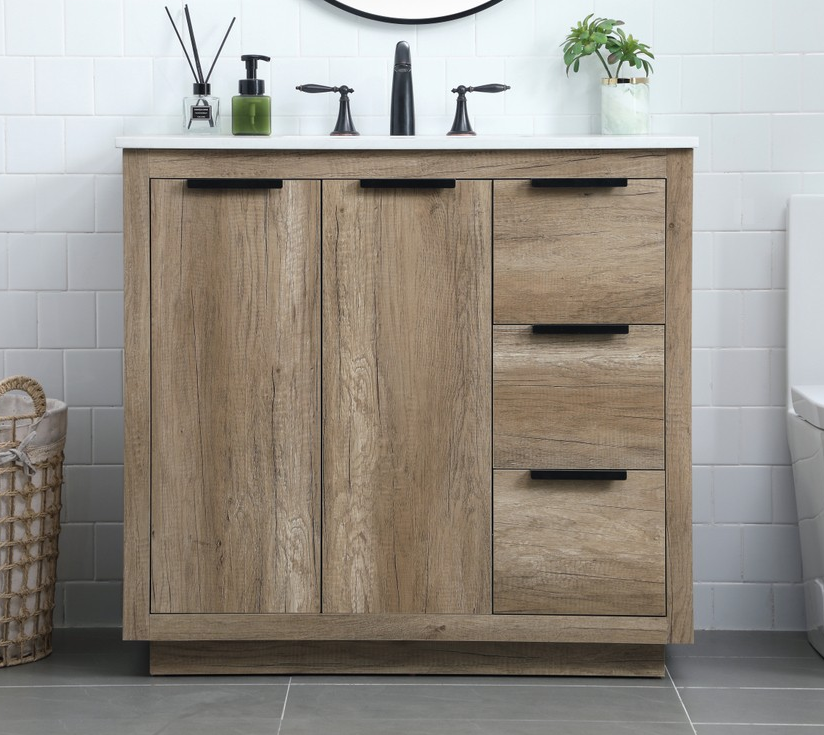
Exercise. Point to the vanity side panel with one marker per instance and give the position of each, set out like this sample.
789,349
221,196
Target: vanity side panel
679,395
137,394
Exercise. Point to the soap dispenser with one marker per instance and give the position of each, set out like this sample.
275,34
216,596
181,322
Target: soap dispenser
252,109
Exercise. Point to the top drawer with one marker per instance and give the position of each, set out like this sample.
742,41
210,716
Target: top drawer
580,254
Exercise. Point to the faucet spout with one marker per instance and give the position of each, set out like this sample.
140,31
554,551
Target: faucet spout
402,116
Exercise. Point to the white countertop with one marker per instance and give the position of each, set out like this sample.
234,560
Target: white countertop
402,143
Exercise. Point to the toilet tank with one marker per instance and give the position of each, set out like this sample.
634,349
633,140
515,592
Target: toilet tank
805,291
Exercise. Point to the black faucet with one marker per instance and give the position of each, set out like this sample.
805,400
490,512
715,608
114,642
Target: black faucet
402,118
344,125
461,125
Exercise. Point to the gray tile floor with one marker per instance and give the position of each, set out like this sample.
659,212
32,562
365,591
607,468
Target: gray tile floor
728,683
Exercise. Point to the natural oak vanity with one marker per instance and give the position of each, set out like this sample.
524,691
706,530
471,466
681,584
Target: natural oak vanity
417,405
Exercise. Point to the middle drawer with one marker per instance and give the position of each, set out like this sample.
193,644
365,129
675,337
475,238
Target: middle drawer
578,401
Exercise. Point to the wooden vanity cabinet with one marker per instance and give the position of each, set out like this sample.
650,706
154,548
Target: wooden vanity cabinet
370,402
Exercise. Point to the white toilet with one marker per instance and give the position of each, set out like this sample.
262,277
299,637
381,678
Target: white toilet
805,410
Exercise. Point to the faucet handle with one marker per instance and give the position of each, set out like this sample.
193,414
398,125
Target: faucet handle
462,89
317,88
344,124
461,124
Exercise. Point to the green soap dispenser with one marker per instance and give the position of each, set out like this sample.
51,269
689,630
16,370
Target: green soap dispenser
251,109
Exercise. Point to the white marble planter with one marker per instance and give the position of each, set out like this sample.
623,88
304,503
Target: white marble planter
625,106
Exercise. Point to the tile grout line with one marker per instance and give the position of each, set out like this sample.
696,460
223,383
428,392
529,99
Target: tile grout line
762,724
550,685
285,700
678,694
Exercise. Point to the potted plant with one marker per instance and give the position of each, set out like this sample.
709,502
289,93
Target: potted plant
624,99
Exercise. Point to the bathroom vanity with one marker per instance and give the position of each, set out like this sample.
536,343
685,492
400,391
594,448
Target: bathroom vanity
417,405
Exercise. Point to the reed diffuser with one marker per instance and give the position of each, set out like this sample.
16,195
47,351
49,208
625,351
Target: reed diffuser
201,110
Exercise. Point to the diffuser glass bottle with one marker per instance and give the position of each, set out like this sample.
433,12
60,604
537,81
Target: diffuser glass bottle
252,109
201,111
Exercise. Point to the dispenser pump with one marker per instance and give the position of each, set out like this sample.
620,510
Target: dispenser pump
252,85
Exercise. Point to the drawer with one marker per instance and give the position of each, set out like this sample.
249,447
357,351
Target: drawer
579,547
581,254
577,401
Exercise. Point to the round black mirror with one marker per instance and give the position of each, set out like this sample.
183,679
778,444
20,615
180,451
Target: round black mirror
413,11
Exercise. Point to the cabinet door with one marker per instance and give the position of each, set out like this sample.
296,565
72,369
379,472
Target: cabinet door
406,398
235,399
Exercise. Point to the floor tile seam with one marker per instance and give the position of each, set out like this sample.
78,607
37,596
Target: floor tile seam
487,719
678,694
283,711
756,688
542,721
548,685
762,724
147,685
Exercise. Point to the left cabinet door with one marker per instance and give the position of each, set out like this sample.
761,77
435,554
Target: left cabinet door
235,384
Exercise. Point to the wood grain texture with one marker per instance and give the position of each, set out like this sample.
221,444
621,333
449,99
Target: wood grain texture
639,164
579,255
137,395
578,401
397,626
406,304
401,657
679,394
579,547
235,397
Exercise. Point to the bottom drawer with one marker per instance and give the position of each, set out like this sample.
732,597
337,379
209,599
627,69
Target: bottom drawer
588,547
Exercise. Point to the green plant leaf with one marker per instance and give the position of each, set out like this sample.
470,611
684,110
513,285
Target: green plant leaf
592,34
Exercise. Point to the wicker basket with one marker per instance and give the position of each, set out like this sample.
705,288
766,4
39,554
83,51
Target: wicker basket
32,436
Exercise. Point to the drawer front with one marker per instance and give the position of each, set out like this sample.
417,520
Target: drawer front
579,547
574,401
582,254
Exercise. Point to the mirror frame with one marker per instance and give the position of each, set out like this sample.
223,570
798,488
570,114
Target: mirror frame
476,7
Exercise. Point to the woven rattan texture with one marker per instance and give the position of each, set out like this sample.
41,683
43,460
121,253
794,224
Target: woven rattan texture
29,531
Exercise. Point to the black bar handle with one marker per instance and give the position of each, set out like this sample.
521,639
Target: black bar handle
407,183
234,183
580,329
605,475
578,183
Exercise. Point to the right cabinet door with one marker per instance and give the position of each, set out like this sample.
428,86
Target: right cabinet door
406,397
579,390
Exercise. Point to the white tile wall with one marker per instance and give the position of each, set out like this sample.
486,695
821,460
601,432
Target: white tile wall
66,319
75,74
93,493
37,261
35,145
64,86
